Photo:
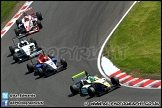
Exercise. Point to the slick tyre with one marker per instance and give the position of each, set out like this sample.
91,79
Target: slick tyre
12,49
39,15
40,72
115,80
30,67
63,62
74,89
18,22
91,92
15,57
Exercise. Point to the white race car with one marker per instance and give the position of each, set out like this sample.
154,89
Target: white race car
24,49
28,23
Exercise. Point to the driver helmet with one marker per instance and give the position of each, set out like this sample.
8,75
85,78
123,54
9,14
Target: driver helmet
92,79
22,43
45,59
26,18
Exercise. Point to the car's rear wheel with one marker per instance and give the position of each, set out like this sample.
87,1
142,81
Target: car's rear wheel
30,67
12,49
17,32
91,91
39,15
63,62
74,89
15,57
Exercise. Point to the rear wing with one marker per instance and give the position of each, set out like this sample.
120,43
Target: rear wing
18,38
27,10
78,76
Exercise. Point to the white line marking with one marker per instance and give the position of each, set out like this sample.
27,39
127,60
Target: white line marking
102,47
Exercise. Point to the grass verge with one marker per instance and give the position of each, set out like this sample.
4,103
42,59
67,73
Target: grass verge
135,46
6,9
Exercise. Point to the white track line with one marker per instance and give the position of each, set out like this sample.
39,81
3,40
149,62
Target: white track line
102,47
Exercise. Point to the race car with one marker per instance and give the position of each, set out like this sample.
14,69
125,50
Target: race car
29,22
92,84
24,49
46,65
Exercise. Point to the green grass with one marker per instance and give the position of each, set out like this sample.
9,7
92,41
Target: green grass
6,9
135,46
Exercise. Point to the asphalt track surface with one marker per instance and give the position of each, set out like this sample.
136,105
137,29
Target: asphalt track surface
67,25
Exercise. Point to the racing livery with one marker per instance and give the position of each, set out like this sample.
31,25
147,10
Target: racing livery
28,23
24,49
47,65
93,85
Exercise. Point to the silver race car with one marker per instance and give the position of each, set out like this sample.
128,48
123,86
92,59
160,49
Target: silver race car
24,49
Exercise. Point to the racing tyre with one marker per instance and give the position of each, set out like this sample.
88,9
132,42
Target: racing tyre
39,24
17,32
39,16
38,48
74,89
33,41
40,72
18,22
30,67
63,62
12,49
115,80
15,57
91,91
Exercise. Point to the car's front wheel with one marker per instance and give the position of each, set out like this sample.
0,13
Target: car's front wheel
115,80
15,57
18,22
91,91
39,15
63,62
30,67
12,49
40,72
